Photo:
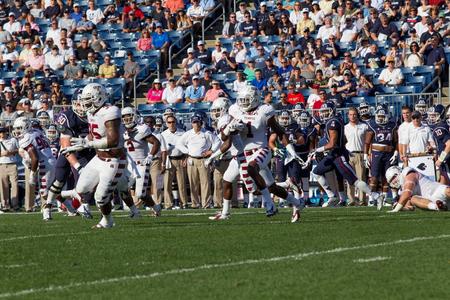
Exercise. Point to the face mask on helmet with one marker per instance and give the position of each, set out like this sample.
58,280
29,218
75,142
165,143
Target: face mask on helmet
325,113
129,120
284,120
421,107
20,126
51,134
304,121
364,110
216,113
92,97
381,117
248,100
77,108
44,120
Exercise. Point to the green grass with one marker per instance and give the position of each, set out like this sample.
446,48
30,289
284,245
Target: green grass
183,255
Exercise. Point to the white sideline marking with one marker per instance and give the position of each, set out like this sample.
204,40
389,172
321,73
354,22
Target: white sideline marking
17,266
24,237
298,256
377,258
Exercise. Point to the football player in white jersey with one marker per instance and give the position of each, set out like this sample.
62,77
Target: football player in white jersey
417,190
137,139
251,120
103,172
42,168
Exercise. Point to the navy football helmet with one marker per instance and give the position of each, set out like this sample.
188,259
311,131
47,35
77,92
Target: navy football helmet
327,110
435,114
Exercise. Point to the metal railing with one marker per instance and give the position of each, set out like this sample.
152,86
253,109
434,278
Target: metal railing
396,101
437,79
220,6
171,47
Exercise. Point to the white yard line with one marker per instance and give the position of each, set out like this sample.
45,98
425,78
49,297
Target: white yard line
298,256
17,266
371,259
37,236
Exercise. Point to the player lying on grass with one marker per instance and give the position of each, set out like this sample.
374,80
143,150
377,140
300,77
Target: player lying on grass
417,190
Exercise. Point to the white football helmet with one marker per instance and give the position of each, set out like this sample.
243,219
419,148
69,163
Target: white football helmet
393,176
20,127
248,99
219,107
129,118
51,133
93,97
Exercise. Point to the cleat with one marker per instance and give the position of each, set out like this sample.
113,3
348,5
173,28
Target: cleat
332,202
72,214
219,217
85,214
156,210
294,187
295,217
47,214
101,226
442,205
271,212
135,215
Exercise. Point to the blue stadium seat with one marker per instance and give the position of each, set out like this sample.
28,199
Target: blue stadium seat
183,107
408,89
202,106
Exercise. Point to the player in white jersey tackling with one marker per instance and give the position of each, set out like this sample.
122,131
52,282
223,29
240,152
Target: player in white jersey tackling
250,120
103,172
137,138
417,190
38,148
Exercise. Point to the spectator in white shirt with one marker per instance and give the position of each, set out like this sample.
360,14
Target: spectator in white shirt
196,13
12,25
240,83
191,63
54,60
391,75
420,139
328,29
403,131
95,15
172,93
348,31
8,171
355,132
54,33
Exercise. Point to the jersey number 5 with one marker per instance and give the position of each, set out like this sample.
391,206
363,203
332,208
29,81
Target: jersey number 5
92,131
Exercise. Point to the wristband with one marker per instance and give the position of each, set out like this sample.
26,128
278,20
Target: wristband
320,149
442,156
77,166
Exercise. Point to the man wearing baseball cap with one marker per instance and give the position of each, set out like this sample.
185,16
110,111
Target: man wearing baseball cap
198,144
8,171
203,54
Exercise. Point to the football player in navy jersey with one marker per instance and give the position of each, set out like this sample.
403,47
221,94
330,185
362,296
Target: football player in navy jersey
441,136
422,107
52,135
336,156
285,164
382,140
364,112
71,123
306,135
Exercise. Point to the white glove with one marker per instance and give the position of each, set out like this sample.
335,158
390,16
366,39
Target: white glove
393,158
70,149
278,152
320,149
366,161
147,160
32,179
82,142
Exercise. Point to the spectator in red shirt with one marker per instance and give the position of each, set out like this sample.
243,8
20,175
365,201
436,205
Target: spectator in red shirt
138,14
154,95
318,103
294,95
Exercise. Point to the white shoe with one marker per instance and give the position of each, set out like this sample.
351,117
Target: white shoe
219,217
379,199
295,216
294,187
72,214
103,226
332,202
47,214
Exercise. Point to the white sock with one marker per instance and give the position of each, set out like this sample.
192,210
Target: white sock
342,197
226,207
283,184
398,207
69,194
266,199
86,207
432,206
324,184
68,204
362,186
297,195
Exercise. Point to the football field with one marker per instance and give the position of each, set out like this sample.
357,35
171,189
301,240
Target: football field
344,253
